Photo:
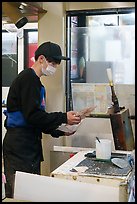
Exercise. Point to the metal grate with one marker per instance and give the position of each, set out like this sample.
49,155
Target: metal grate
103,167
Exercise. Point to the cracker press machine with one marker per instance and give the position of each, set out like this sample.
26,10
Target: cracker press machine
120,121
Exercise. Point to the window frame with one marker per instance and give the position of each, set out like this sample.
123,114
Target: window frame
79,13
26,31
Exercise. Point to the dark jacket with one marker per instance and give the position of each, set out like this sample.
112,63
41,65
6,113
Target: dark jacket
25,121
26,105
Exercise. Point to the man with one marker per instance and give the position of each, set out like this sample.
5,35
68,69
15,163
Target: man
26,116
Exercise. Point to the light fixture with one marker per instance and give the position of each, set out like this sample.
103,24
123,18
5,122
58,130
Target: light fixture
14,14
23,4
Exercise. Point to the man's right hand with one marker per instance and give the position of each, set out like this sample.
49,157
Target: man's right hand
73,118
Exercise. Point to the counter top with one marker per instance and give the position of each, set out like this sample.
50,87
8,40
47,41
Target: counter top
115,185
67,167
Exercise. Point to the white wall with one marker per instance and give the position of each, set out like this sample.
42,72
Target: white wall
51,28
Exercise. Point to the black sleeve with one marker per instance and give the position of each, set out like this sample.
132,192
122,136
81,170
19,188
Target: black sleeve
54,133
30,106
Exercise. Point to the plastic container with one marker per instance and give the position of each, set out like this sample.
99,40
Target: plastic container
103,149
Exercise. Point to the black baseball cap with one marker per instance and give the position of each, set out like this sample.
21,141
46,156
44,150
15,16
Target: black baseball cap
50,50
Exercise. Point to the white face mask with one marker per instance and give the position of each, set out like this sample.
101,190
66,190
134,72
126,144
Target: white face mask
50,70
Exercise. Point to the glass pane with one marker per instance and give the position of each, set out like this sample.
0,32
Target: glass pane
102,20
127,19
32,44
9,58
103,47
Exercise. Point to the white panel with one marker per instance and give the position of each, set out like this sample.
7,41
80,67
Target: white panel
37,188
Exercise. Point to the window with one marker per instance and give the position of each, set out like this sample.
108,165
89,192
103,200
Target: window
97,40
9,58
14,43
30,44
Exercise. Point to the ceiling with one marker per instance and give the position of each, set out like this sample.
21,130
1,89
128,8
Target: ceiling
28,9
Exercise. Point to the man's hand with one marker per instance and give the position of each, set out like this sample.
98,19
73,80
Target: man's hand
73,118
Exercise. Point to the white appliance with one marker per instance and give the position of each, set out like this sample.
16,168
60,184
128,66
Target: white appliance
116,186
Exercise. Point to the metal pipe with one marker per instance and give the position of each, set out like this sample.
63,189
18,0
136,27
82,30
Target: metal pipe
98,115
